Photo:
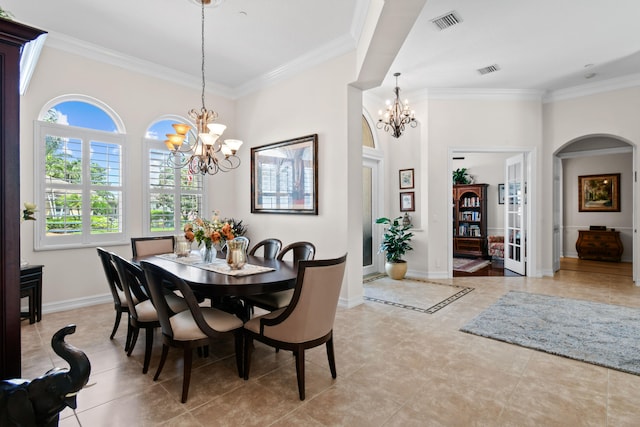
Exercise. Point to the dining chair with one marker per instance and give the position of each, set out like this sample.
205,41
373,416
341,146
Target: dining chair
298,251
269,248
189,329
306,322
119,299
142,313
146,246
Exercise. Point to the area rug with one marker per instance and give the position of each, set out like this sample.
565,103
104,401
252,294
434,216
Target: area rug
469,265
601,334
412,294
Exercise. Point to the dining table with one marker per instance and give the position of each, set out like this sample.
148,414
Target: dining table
223,286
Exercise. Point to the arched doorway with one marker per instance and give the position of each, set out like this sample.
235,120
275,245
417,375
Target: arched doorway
585,156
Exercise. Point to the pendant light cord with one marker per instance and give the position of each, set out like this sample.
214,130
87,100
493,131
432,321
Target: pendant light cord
202,44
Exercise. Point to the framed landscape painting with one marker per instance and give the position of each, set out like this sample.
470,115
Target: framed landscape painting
599,193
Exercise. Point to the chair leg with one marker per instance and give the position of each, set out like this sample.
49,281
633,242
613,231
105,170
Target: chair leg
163,358
116,324
248,346
300,371
331,357
129,334
134,339
186,376
238,338
147,349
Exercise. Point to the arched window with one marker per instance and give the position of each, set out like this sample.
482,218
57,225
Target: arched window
169,190
79,144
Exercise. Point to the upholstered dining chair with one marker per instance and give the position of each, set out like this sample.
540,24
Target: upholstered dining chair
307,321
189,329
297,251
142,313
146,246
268,247
119,299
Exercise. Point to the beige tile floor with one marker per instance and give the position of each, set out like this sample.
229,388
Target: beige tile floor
395,367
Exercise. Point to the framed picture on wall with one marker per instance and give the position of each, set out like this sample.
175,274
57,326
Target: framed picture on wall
599,193
406,178
501,194
407,202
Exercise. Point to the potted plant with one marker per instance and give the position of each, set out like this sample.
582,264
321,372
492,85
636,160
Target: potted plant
460,176
395,243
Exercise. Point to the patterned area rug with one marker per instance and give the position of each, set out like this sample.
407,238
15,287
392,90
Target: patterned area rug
601,334
412,294
469,265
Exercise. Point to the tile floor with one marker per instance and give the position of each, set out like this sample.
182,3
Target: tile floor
396,367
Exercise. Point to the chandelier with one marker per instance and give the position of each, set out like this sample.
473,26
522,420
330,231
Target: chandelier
397,115
201,149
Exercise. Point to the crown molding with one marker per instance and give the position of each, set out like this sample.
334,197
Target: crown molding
594,88
483,94
111,57
595,152
310,59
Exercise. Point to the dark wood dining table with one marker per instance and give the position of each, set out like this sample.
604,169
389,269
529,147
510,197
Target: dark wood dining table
221,288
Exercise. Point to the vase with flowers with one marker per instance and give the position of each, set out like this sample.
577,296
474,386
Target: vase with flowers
212,234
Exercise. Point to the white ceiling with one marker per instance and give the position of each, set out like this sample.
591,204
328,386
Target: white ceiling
540,45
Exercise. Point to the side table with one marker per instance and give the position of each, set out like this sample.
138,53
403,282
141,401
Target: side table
31,287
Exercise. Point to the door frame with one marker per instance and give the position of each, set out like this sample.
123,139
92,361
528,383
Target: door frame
375,160
531,161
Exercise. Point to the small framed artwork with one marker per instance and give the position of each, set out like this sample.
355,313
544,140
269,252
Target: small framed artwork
599,193
501,194
406,178
407,202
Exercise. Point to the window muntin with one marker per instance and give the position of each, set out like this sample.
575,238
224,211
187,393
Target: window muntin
174,195
81,190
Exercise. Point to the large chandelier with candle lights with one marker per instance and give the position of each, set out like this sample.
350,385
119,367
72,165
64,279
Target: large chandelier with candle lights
201,149
396,115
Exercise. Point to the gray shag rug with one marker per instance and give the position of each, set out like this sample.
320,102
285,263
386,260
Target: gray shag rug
602,334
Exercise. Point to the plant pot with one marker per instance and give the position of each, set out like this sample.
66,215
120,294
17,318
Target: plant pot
396,270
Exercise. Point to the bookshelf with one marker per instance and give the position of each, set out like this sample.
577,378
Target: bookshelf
470,220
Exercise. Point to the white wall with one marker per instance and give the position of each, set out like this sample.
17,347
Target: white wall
76,274
573,220
468,125
315,101
614,113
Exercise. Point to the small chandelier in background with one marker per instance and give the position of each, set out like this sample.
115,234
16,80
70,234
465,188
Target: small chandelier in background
201,149
397,115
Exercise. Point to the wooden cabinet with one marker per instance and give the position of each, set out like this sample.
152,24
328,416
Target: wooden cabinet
601,245
470,220
13,36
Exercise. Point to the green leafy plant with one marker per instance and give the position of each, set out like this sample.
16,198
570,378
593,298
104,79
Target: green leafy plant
5,14
395,240
460,176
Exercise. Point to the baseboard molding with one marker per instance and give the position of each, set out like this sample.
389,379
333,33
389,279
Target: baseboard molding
350,302
76,303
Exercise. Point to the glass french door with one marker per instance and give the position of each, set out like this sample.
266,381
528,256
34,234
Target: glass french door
515,224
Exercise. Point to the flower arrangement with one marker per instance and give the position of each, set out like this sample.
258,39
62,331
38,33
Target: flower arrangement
29,211
214,231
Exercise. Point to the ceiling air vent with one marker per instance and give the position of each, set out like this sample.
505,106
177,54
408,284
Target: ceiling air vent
446,21
490,69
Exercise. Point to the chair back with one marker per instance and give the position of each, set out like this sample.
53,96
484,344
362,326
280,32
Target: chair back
270,248
312,310
113,280
147,246
133,283
300,251
156,277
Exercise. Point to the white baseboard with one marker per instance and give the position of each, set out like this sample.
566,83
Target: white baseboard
76,303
